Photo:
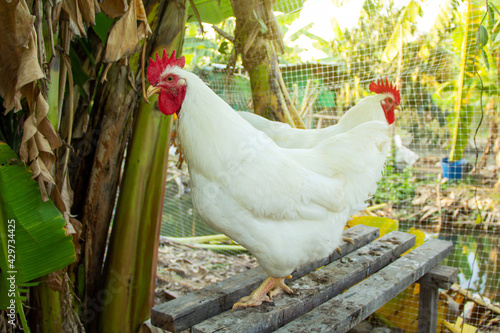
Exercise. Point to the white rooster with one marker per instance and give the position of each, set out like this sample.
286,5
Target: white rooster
282,193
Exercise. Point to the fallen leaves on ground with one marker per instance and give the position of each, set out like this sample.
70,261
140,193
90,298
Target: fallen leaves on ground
183,269
451,207
457,204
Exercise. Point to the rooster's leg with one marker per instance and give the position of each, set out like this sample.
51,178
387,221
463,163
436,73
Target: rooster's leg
268,289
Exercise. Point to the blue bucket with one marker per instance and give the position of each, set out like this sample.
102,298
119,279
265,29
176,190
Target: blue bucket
452,170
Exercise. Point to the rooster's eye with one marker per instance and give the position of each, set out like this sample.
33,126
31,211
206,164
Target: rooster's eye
170,78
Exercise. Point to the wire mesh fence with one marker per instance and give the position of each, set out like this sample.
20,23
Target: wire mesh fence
440,177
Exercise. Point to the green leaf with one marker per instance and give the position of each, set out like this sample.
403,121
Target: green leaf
370,8
79,75
223,48
485,59
462,112
401,31
216,11
492,6
32,231
482,35
491,15
211,11
102,26
496,42
287,19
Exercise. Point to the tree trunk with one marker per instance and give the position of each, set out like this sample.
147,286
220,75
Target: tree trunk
257,37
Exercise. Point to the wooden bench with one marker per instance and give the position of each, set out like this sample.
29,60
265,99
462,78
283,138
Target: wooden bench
349,288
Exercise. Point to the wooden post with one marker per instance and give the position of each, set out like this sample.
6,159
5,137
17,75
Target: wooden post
428,309
439,277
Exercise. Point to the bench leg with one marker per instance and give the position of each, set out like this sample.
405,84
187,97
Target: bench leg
428,309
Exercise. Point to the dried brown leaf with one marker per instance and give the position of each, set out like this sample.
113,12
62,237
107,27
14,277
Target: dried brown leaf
88,11
54,281
63,199
18,56
29,130
50,134
114,8
123,38
42,144
430,211
40,171
75,17
144,30
140,11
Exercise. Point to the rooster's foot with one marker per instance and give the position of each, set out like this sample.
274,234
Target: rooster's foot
264,293
348,240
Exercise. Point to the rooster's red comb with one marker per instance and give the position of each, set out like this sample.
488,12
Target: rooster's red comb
381,87
157,67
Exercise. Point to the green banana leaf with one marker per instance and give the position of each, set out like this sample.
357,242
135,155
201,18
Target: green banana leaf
465,43
216,11
32,233
401,31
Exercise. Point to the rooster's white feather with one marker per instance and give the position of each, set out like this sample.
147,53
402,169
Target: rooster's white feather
284,197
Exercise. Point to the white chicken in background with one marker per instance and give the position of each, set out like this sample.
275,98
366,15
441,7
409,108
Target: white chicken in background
284,197
366,110
404,155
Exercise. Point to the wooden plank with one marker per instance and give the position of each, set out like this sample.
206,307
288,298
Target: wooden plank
427,308
313,289
346,310
440,277
188,310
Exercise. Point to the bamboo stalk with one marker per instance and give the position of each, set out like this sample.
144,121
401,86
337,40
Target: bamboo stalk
476,298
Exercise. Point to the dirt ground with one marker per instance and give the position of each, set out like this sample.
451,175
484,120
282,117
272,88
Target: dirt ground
183,269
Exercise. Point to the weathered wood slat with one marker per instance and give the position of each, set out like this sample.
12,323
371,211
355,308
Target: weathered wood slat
202,304
346,310
440,277
312,289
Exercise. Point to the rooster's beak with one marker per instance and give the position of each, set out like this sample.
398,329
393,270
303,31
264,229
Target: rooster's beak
152,90
398,108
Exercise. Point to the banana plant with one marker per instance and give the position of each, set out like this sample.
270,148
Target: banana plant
32,234
130,267
402,30
469,42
